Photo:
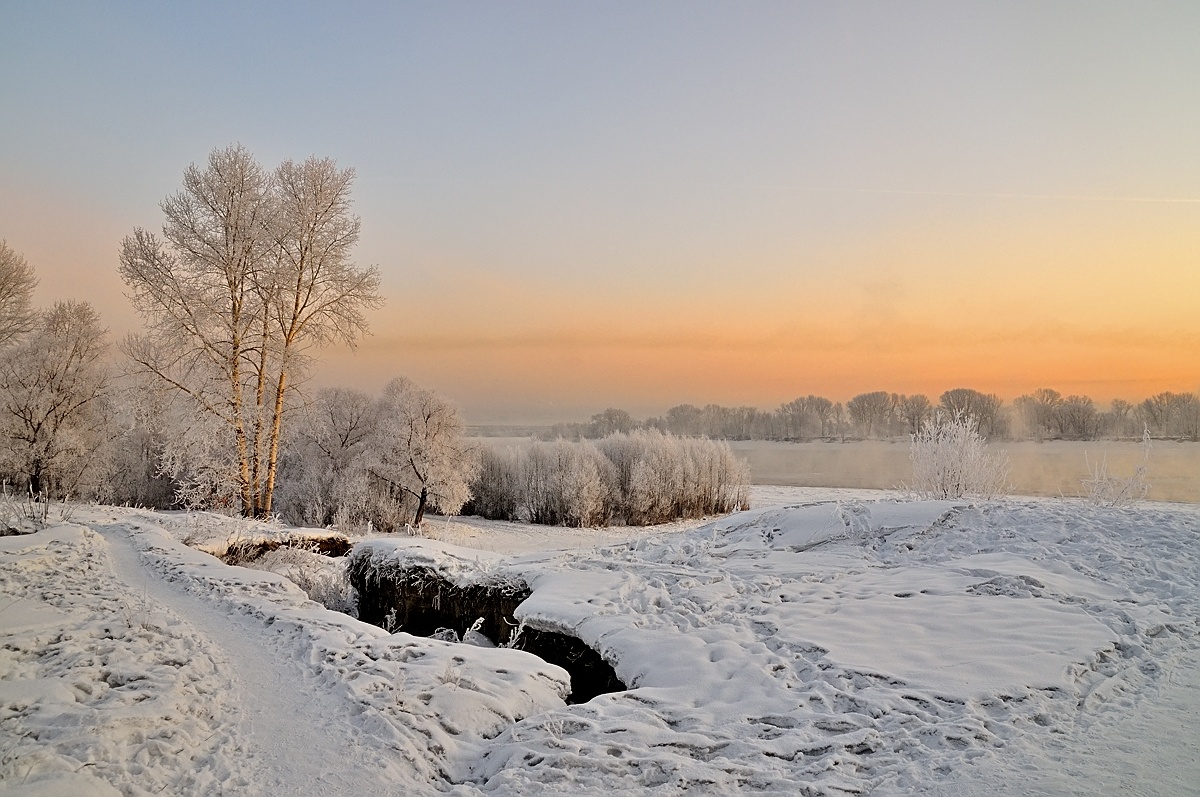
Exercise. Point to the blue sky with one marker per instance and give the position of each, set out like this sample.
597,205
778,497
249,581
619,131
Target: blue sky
577,205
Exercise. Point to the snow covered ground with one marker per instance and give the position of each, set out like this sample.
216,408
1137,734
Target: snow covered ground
826,642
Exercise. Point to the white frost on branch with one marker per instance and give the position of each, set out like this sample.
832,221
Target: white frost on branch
951,459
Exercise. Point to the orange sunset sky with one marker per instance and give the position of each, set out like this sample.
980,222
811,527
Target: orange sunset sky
576,206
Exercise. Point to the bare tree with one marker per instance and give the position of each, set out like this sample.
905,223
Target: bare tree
611,420
823,409
869,411
1122,415
197,293
315,295
1078,418
419,449
254,270
1039,412
54,413
1155,412
17,282
915,410
967,403
1185,414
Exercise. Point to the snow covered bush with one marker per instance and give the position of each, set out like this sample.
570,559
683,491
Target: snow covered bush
567,484
1105,489
951,460
663,477
642,478
496,491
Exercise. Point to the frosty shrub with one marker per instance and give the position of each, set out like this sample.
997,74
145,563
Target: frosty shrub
1105,489
641,478
496,491
566,484
663,477
951,460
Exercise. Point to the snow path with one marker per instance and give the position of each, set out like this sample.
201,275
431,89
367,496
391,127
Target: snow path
300,734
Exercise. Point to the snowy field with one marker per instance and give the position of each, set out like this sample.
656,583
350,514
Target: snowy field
827,642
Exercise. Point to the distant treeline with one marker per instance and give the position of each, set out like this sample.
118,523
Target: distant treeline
1044,414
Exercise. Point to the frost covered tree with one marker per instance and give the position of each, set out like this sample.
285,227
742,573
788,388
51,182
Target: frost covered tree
951,459
136,477
327,482
252,270
418,448
314,294
17,282
54,407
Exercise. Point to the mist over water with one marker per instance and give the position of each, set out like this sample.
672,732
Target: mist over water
1052,468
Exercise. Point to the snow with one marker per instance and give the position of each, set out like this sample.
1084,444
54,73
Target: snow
845,642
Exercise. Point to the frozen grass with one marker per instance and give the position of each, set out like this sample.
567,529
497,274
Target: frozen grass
1104,489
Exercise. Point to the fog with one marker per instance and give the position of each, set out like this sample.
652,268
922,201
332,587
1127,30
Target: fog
1050,469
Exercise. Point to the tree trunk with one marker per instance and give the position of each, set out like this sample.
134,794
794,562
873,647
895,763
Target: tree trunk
260,391
273,456
424,498
239,428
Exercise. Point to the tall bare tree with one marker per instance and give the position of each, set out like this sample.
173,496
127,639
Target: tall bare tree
254,271
196,292
316,295
17,282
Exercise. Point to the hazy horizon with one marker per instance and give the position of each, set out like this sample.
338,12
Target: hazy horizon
577,207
